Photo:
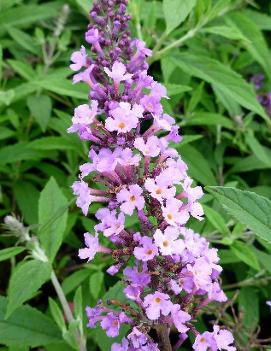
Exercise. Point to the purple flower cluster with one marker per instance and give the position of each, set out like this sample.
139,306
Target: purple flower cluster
169,272
264,98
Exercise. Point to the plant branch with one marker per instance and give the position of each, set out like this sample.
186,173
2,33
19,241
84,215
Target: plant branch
163,336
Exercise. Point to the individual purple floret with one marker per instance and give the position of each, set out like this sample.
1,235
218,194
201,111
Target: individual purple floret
169,272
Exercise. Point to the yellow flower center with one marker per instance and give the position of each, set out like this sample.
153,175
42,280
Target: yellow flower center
166,243
122,125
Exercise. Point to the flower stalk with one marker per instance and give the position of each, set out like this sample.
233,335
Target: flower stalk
169,272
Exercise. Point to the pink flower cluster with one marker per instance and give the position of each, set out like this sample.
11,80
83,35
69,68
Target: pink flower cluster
170,273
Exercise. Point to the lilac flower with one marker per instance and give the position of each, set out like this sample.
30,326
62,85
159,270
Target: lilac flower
141,48
152,104
215,293
84,76
124,346
84,196
94,315
159,189
168,241
151,148
173,213
130,199
111,223
147,251
164,122
257,80
138,281
111,323
92,248
137,338
125,118
92,36
136,277
83,117
224,339
118,73
201,272
157,304
105,161
127,158
205,342
180,318
79,59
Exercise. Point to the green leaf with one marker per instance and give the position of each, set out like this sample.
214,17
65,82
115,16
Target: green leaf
95,284
52,218
256,44
195,98
29,209
78,304
198,167
216,220
207,118
27,326
246,254
10,252
6,97
64,87
175,89
18,348
22,68
249,208
53,143
264,259
249,310
20,152
24,15
225,31
176,12
227,257
24,40
25,281
85,6
262,20
257,148
57,314
223,77
40,108
187,139
74,280
6,133
1,61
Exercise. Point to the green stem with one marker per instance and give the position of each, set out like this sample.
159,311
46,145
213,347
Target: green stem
174,44
62,298
249,282
67,311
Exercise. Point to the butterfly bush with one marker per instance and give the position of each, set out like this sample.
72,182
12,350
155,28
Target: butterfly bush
169,272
